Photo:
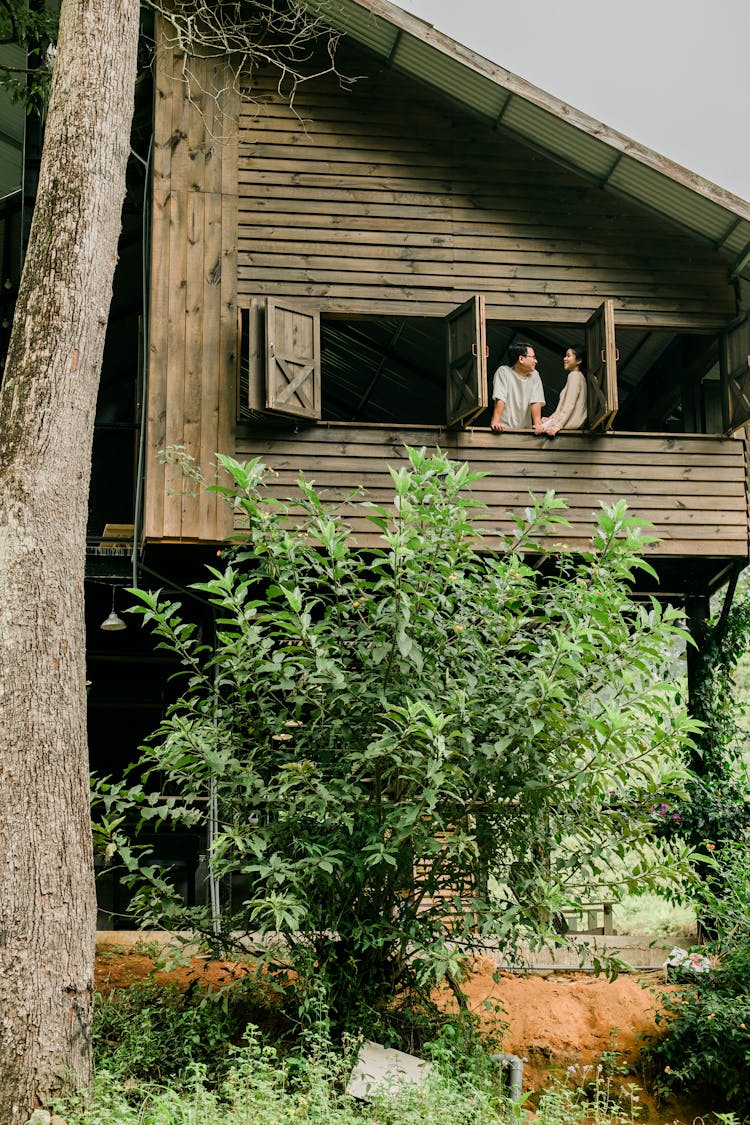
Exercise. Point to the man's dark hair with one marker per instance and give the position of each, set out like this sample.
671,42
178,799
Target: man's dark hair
515,351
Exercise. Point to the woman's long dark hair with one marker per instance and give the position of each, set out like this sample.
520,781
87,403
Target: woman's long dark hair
580,354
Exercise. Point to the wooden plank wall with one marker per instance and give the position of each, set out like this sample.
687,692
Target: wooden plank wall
193,319
383,200
693,489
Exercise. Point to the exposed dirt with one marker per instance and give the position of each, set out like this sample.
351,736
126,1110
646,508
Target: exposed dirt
567,1019
553,1022
119,967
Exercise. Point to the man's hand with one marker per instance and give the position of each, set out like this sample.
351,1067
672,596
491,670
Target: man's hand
497,414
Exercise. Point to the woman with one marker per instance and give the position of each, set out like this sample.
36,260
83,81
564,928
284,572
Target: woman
571,409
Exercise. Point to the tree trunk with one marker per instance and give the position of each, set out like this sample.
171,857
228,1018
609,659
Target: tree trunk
47,407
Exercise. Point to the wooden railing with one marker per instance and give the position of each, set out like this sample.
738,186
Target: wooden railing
692,488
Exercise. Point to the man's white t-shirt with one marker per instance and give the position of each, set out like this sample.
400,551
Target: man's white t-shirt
517,392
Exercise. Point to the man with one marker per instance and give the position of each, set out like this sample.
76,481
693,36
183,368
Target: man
518,393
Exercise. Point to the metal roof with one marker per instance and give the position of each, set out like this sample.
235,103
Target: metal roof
583,144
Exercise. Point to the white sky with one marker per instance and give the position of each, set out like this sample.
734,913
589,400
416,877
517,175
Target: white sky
672,74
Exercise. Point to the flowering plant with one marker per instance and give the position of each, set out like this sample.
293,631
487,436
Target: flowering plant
663,812
692,962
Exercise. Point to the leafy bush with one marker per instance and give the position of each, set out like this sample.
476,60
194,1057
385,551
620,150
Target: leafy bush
150,1031
254,1083
176,1058
706,1046
596,1102
414,750
716,806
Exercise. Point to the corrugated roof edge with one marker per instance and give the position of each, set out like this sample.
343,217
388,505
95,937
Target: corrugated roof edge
451,48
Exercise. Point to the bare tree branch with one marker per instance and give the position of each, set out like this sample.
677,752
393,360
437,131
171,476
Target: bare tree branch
16,69
282,34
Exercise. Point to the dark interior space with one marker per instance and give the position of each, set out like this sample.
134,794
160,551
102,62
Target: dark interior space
392,371
130,681
130,684
11,218
116,432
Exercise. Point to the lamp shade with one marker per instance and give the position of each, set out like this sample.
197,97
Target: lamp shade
113,623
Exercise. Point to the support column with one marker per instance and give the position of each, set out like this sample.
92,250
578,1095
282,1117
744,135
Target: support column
697,613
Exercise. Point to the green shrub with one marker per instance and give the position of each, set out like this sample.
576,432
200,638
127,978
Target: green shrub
151,1031
260,1088
596,1101
706,1046
171,1058
414,749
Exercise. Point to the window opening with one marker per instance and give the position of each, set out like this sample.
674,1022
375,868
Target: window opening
393,371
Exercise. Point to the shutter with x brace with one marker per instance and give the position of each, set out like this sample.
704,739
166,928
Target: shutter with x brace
735,374
292,360
466,355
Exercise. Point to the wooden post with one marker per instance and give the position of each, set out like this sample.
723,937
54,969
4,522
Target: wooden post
697,611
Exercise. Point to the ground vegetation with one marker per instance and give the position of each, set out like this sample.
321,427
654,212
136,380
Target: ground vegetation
706,1045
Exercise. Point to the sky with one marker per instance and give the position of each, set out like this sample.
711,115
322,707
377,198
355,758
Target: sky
671,74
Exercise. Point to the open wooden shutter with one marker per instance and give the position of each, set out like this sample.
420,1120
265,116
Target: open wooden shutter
251,350
601,367
466,350
292,360
734,358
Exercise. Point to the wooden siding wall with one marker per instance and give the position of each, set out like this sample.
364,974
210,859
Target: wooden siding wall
381,200
691,488
193,319
388,203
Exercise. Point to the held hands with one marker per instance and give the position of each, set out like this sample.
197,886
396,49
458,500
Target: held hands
539,428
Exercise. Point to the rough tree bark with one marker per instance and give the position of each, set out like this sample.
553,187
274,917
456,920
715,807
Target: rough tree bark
47,405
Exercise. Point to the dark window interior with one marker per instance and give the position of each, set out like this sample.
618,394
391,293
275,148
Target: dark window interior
383,370
116,430
392,371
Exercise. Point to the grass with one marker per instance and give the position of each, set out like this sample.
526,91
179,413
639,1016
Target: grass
170,1058
652,916
261,1089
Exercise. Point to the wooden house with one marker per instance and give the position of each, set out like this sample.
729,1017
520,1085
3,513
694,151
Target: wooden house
335,278
328,281
324,282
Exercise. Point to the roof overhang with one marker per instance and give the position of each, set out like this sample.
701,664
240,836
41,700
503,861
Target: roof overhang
572,138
